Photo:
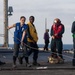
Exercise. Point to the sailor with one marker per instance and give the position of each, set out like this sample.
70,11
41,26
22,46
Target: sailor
57,31
32,40
73,34
46,39
20,38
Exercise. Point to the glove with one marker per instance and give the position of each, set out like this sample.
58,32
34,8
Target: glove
22,44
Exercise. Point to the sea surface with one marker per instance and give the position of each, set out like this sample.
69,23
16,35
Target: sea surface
65,46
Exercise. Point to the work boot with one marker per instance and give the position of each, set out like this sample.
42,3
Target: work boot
27,62
35,63
47,49
60,60
14,66
28,65
2,63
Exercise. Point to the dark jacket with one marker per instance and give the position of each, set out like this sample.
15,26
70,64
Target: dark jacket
73,28
46,36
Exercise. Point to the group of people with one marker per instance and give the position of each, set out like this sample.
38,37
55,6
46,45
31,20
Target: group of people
56,33
25,35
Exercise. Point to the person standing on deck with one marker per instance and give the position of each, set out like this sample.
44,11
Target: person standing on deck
46,39
32,40
20,37
57,30
73,32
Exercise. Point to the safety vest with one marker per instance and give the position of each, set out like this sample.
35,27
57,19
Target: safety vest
33,33
18,33
57,30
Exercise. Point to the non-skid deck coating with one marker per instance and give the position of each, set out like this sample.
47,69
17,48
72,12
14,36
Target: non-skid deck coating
44,69
42,59
43,66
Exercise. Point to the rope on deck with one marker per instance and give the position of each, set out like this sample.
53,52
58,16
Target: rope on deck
38,49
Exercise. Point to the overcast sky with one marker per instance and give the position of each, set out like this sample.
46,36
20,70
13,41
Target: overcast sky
41,9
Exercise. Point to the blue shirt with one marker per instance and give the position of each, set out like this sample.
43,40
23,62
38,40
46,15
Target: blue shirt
18,33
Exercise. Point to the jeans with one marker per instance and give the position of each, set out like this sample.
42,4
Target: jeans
74,46
46,44
57,44
16,50
34,51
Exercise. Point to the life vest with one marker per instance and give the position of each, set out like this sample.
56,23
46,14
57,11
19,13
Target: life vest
18,33
33,33
57,30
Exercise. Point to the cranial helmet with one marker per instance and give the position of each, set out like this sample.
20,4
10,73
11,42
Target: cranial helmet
57,20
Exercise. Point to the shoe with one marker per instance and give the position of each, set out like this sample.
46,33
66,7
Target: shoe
61,60
28,65
2,63
36,64
47,49
20,60
14,66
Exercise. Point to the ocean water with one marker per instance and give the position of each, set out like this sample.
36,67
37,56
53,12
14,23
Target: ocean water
65,46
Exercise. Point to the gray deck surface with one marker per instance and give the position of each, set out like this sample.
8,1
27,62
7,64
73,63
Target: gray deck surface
45,68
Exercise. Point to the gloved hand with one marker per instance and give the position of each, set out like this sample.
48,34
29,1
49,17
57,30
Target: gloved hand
22,44
53,37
